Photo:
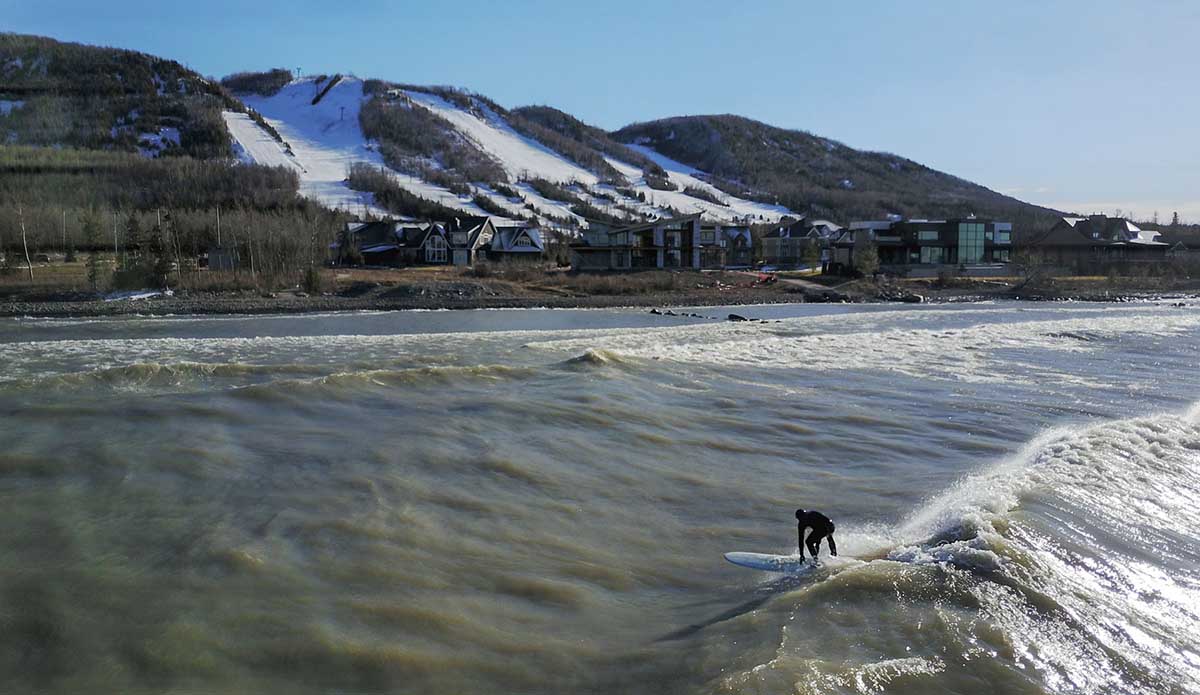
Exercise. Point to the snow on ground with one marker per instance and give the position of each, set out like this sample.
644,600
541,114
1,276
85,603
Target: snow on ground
152,144
325,139
522,157
8,105
684,177
545,206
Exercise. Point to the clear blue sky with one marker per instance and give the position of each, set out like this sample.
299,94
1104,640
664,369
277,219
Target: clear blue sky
1084,105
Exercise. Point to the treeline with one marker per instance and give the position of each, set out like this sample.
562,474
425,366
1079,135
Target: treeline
87,178
137,248
411,135
390,196
266,83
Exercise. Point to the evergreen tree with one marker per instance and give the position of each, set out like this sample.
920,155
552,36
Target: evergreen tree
1175,219
866,256
812,253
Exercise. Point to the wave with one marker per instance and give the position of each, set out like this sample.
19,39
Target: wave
154,374
1073,561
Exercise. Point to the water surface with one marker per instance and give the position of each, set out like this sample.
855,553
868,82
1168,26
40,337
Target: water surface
538,501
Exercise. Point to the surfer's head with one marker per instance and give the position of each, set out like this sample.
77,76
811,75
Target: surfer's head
799,514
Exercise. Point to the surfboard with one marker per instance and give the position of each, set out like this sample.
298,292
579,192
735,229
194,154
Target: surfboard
770,563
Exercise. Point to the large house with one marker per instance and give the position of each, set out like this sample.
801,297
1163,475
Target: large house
903,245
677,242
789,243
1091,243
462,241
516,243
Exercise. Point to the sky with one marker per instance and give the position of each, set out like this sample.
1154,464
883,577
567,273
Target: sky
1085,106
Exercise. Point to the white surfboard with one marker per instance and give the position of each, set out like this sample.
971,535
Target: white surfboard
790,564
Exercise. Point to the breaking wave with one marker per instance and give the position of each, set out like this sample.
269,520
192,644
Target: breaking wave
1074,560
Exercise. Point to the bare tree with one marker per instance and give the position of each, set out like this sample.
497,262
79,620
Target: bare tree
25,243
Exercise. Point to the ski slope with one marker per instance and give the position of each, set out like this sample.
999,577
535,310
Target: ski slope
325,139
521,157
322,141
685,177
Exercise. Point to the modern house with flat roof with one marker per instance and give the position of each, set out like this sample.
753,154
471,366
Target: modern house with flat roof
676,242
906,245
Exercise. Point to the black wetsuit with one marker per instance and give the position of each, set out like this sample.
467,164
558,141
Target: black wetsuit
821,527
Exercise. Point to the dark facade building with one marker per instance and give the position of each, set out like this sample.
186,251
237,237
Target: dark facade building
903,244
1095,243
462,241
789,244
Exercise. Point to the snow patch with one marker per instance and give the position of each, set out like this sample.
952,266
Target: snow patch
521,157
7,106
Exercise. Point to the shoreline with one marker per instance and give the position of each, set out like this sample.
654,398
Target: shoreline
229,304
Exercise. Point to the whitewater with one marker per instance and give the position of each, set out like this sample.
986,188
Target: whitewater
539,501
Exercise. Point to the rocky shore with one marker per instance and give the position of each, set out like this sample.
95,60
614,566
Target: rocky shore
482,295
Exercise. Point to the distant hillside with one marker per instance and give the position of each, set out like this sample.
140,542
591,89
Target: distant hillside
103,134
806,172
384,148
93,97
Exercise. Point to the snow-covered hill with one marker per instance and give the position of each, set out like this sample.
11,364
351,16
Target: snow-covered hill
321,141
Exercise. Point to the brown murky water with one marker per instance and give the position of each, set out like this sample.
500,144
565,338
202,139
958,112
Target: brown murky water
538,501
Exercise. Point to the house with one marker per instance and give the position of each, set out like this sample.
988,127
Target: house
738,245
468,235
788,244
516,243
1091,244
908,245
394,244
675,242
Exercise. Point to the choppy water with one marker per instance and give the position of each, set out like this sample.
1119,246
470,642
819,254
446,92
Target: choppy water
538,501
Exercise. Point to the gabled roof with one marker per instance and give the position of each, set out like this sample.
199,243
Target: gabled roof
505,239
640,226
475,227
1110,230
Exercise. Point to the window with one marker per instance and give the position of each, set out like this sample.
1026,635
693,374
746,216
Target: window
435,250
459,238
970,242
524,241
708,237
1000,255
933,254
1003,236
927,235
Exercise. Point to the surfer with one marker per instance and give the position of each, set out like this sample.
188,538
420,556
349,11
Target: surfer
821,527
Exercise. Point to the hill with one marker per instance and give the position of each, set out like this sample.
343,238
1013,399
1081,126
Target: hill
99,145
383,148
806,172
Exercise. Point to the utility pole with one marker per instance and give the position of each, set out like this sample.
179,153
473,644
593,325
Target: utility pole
64,232
218,226
116,249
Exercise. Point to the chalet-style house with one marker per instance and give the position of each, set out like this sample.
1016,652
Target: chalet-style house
1092,243
516,243
677,242
462,241
906,244
787,245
